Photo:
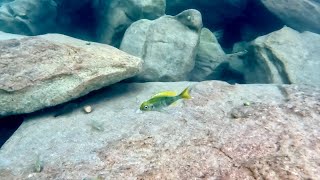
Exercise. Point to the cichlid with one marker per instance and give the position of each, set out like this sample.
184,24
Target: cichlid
163,99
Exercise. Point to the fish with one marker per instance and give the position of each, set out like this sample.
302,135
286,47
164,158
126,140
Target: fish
164,99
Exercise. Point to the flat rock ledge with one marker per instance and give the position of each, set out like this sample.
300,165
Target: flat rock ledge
223,132
43,71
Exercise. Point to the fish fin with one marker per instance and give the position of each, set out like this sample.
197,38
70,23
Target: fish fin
162,110
165,93
174,104
185,94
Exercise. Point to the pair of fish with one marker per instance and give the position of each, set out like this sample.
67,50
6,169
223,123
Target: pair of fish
164,99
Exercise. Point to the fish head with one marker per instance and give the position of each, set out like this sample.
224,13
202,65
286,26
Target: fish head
146,106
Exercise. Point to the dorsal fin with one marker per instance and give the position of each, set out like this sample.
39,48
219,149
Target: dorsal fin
165,94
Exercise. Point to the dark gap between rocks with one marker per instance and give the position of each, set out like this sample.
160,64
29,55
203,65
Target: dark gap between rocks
8,125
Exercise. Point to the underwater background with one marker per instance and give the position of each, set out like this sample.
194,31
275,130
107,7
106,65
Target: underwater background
159,89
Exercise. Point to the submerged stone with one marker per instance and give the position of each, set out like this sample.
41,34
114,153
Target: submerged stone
43,71
213,135
284,56
167,45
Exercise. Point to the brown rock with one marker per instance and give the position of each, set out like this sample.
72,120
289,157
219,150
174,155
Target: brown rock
198,139
43,71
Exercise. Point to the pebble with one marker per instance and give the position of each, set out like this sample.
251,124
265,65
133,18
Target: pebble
87,109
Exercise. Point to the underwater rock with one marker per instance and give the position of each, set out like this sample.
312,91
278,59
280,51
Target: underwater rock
42,71
211,136
217,13
209,56
4,1
284,56
115,16
302,15
167,46
28,17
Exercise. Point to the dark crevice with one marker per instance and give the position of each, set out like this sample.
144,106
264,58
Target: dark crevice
278,64
81,23
256,16
8,125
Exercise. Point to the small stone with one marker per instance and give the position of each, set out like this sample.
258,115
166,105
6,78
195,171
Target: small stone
87,109
246,104
88,43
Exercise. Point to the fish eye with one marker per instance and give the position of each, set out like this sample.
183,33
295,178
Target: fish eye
146,107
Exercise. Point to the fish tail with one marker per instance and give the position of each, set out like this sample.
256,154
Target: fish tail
185,94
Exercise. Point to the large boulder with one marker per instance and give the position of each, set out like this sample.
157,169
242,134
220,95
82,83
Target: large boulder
42,71
284,56
209,56
224,132
167,45
29,17
115,16
302,15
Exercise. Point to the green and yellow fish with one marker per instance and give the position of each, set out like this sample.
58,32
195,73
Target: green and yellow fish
163,99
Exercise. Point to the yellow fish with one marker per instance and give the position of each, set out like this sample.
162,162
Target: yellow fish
164,99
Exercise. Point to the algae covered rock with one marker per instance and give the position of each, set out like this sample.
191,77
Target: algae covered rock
224,132
42,71
167,45
284,56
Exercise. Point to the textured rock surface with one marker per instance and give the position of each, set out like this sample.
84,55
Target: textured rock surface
301,15
209,56
29,17
212,135
38,72
167,45
117,15
284,56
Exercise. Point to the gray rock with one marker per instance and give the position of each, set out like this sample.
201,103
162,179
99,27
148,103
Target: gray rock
42,71
115,16
209,56
29,17
167,46
224,132
302,15
6,36
190,18
284,56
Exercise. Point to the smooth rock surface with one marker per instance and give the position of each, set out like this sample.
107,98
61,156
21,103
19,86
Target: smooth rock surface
28,17
224,132
42,71
302,15
167,45
284,56
209,56
115,16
